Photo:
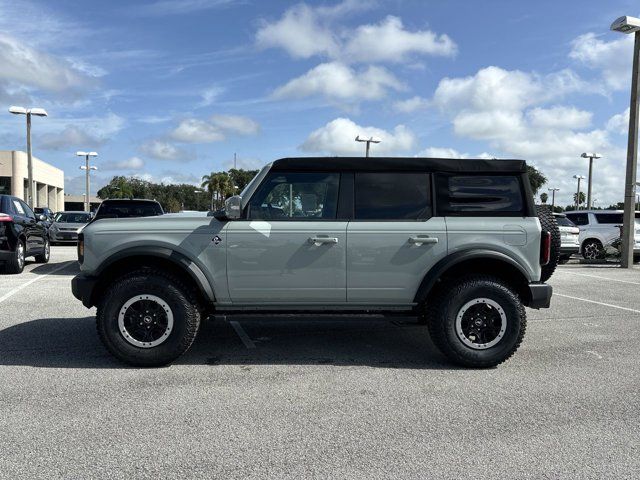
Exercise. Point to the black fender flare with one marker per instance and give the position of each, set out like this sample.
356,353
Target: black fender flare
179,259
456,258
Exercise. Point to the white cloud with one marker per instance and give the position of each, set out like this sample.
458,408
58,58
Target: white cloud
441,152
304,31
133,163
192,130
31,68
236,124
162,150
613,59
300,33
388,41
619,123
338,138
507,109
176,7
338,81
411,104
560,117
210,95
81,133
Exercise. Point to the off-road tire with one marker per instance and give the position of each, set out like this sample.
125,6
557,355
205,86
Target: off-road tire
46,252
179,297
442,314
15,264
549,224
595,246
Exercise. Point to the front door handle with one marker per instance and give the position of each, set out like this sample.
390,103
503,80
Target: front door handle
422,239
321,240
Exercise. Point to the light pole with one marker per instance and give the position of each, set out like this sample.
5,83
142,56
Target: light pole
87,168
579,177
590,156
368,141
630,25
38,112
553,197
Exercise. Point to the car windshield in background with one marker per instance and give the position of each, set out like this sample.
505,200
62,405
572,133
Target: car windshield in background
565,222
129,209
73,218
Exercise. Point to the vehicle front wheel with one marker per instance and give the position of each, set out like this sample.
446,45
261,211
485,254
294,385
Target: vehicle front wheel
148,318
477,322
46,252
15,264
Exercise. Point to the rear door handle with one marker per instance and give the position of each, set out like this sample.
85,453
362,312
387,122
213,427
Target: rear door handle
321,240
420,240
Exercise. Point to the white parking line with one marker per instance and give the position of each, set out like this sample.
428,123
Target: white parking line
601,278
10,293
243,335
597,303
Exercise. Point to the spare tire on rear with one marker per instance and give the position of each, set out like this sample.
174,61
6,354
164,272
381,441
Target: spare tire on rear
549,224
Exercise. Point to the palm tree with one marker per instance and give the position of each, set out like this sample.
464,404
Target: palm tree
544,197
219,185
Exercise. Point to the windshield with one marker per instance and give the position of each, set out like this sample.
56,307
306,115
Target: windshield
65,217
129,209
565,222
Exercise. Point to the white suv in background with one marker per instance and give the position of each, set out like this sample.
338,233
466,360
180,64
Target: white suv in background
569,237
599,228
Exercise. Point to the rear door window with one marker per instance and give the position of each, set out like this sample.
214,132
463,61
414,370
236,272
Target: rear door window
609,218
480,195
579,218
392,196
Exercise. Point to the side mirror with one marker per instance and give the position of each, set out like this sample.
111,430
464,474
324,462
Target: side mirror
233,207
42,218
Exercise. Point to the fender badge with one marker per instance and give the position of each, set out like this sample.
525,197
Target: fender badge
217,240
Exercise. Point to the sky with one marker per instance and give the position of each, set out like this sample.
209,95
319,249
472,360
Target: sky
169,90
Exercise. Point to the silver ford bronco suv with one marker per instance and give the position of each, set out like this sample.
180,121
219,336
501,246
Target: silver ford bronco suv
456,243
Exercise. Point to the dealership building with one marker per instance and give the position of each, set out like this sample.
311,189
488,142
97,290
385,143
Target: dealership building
48,181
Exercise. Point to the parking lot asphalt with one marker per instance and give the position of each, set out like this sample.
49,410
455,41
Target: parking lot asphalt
321,397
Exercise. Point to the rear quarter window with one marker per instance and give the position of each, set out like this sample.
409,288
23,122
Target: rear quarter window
490,195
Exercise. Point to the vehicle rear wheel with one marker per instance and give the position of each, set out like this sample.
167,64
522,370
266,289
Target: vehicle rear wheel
478,322
549,224
16,263
148,318
593,250
636,259
46,252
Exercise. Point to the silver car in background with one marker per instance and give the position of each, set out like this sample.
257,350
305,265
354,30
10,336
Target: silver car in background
66,226
569,237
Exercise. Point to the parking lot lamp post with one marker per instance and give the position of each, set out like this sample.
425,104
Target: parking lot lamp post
87,168
368,141
39,112
553,197
590,156
579,177
630,25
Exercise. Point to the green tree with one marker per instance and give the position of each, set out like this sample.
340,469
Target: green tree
240,178
544,197
219,186
580,199
536,179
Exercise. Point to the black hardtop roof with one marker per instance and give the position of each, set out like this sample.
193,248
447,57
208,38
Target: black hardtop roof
130,200
399,164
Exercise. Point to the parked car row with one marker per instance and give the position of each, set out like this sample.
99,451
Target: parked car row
30,233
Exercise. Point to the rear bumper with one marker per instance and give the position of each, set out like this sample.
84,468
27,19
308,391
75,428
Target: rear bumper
82,287
540,295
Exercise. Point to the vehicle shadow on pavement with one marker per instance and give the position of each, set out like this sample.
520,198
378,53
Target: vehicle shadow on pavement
365,341
380,343
72,267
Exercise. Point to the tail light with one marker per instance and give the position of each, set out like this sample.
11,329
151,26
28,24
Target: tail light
545,248
5,218
80,248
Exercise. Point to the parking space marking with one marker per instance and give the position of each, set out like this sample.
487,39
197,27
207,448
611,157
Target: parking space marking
601,278
10,293
598,303
242,334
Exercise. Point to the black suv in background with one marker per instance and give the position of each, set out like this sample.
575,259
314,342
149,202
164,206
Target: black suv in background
22,234
128,208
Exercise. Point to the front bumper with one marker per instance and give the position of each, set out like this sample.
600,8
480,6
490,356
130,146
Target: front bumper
63,236
540,295
82,287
